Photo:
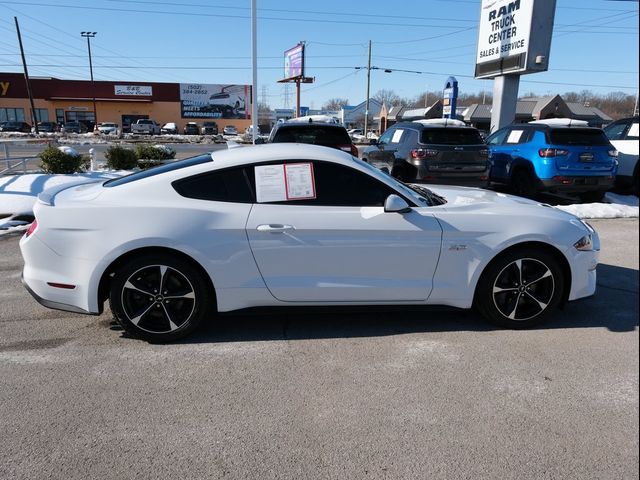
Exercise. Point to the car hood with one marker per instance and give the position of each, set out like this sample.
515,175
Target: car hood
470,200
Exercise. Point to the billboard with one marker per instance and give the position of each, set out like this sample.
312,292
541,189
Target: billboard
294,62
215,101
514,37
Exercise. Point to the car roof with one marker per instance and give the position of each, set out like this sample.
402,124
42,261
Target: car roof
278,151
425,126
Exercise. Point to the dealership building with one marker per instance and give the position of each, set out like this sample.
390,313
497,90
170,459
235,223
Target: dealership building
62,101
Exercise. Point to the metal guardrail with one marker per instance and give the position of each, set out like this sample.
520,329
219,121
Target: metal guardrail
11,165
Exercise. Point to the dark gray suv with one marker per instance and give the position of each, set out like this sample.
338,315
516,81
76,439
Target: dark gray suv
433,151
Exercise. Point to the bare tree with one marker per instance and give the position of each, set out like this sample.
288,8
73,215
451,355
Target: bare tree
391,98
335,104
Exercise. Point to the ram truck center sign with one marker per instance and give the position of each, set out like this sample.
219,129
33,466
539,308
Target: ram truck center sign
514,36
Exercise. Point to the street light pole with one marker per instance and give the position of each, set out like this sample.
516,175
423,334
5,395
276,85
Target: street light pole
89,36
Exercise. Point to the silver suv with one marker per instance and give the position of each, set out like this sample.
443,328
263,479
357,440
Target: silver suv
434,151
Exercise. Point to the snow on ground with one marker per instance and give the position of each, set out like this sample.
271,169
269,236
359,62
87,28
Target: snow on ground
18,194
616,206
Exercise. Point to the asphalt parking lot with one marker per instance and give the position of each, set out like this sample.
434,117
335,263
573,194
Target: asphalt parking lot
322,394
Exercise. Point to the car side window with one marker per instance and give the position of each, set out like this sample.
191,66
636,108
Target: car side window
386,136
230,185
616,131
632,134
498,137
517,136
339,186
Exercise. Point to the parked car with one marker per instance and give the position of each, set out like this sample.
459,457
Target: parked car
108,128
283,225
191,128
230,130
209,128
315,133
227,104
145,126
440,151
249,130
555,155
47,127
16,127
169,129
623,135
74,127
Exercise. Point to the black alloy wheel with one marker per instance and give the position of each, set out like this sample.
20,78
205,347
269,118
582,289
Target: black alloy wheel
520,288
159,299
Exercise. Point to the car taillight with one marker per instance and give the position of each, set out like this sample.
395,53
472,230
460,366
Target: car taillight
613,153
32,228
552,152
423,153
354,150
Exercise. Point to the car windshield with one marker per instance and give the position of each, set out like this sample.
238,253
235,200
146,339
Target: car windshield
315,136
579,136
420,195
451,136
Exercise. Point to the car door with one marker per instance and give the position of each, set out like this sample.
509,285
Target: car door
383,155
505,147
340,246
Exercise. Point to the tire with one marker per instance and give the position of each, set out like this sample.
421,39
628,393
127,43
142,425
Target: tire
520,288
159,298
523,183
635,185
592,197
403,174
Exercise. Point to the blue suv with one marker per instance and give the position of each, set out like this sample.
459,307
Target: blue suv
558,155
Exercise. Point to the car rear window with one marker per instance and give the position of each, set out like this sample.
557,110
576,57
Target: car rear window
312,135
578,136
451,136
167,167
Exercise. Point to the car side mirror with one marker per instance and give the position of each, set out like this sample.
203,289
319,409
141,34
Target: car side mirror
259,141
396,204
373,142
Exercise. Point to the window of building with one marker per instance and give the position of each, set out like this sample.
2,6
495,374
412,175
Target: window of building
42,114
60,115
11,114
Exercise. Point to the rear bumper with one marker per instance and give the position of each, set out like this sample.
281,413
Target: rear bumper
456,174
578,183
52,304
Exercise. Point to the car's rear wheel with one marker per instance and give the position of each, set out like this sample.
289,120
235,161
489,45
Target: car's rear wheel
520,288
159,298
523,183
592,197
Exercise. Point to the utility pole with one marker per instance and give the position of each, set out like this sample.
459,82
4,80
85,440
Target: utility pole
254,67
366,108
34,120
89,36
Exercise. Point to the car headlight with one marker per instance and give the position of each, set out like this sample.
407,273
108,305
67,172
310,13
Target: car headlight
585,244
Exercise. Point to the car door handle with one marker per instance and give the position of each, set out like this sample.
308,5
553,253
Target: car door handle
275,228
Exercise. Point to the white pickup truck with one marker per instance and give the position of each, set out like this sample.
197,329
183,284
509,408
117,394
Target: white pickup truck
145,127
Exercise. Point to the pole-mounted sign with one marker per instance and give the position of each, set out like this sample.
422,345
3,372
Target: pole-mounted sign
450,98
514,37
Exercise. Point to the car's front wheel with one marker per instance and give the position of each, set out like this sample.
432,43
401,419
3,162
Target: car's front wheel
159,298
520,288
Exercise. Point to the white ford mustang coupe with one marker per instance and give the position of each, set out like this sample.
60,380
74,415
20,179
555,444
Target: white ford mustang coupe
291,224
